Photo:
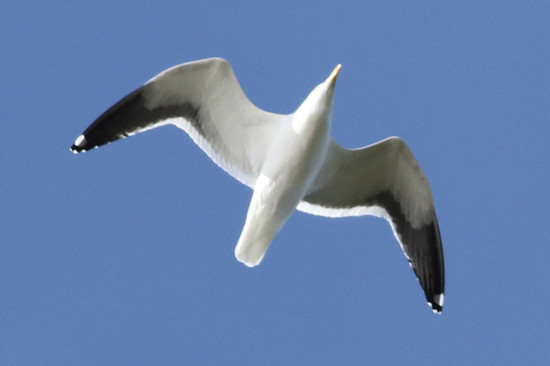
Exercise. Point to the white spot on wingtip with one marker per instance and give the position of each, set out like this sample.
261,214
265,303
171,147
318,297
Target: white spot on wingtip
439,300
80,140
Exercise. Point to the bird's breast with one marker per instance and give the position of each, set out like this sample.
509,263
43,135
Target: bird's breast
297,154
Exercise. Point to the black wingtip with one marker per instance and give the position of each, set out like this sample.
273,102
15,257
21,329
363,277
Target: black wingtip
422,247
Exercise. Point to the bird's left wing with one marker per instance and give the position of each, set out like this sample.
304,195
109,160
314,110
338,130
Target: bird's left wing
203,98
385,180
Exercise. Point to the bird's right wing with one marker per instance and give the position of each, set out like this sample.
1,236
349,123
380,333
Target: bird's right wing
385,180
204,99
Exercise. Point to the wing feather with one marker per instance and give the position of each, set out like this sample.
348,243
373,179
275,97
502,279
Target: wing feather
385,180
204,99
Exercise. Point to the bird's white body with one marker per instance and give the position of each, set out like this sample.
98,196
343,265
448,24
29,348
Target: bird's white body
290,161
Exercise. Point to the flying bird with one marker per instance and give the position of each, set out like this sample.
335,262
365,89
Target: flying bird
290,161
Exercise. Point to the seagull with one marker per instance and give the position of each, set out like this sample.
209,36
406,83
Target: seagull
290,161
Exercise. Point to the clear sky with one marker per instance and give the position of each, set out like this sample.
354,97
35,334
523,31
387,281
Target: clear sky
124,255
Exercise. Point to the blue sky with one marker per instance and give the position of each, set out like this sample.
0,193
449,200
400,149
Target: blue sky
124,255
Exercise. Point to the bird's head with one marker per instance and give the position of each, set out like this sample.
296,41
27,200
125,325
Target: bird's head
324,92
319,101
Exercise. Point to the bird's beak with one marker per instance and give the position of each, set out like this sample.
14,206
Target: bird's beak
334,74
